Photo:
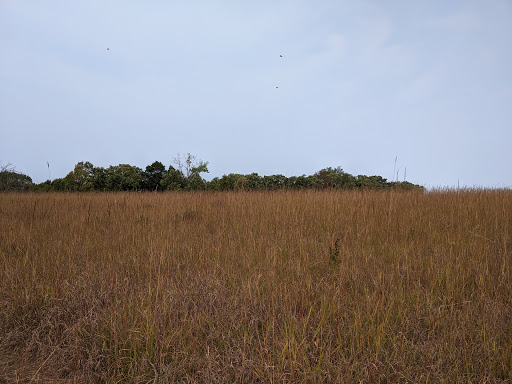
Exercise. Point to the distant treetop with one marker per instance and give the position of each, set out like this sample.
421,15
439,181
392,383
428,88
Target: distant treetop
185,175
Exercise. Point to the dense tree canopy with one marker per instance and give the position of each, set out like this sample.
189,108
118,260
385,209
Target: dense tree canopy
185,175
152,176
11,180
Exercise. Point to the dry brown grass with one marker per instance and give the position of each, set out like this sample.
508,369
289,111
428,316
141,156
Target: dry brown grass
256,287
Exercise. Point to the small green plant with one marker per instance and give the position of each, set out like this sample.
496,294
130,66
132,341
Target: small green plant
334,252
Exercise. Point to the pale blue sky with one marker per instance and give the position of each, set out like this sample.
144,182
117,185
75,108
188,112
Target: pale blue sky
359,83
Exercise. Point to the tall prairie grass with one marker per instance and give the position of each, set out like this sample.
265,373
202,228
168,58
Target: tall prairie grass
372,286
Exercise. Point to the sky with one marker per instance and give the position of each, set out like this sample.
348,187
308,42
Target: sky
409,90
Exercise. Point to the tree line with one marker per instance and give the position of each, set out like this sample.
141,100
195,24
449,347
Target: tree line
185,175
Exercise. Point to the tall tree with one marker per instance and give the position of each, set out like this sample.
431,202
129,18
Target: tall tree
336,178
123,177
152,176
81,178
11,180
191,167
173,180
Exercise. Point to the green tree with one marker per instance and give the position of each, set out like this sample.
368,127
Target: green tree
275,182
10,180
191,168
196,182
173,180
336,178
152,176
372,182
81,178
213,185
99,179
58,184
45,186
231,182
123,177
313,182
405,185
254,182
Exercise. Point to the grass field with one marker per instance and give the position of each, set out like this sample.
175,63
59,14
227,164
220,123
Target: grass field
299,287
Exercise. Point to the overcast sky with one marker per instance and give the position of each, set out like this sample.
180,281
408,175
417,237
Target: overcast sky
359,84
